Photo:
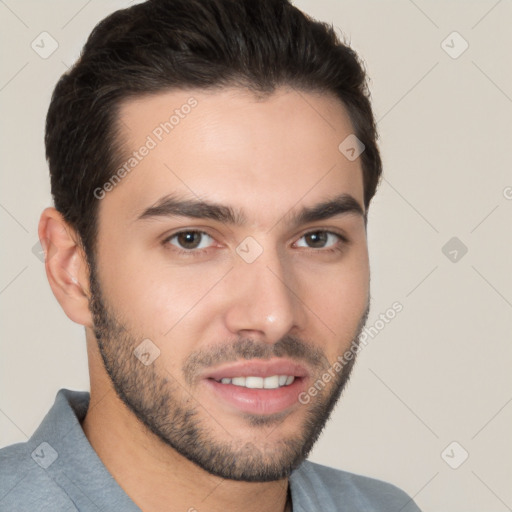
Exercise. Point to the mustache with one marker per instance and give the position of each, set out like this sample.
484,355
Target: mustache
247,348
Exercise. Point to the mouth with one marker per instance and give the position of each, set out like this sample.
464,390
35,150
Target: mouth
255,382
256,386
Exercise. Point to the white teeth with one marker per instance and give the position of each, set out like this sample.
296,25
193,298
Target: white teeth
271,382
253,382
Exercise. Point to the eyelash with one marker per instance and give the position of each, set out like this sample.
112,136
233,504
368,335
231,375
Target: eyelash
199,252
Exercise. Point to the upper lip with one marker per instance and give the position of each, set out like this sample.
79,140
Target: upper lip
258,368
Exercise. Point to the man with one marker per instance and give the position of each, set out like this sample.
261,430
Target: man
212,164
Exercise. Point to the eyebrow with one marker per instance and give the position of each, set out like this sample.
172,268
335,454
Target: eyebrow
172,206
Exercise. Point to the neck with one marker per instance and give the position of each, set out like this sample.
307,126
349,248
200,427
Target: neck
156,477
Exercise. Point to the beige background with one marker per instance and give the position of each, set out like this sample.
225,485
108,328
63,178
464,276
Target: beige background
440,371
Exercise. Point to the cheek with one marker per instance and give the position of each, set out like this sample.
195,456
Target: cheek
138,291
155,299
337,296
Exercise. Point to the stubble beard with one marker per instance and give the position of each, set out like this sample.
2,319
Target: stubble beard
179,420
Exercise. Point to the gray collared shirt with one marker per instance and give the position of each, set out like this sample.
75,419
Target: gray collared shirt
57,470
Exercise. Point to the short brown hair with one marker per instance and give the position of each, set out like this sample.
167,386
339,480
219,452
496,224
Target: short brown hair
162,45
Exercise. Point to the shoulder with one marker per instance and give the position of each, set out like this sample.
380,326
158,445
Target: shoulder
13,465
25,485
29,480
314,485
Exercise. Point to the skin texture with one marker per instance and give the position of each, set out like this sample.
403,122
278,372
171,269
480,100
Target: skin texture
306,302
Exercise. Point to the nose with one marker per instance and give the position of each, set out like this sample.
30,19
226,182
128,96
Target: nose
262,303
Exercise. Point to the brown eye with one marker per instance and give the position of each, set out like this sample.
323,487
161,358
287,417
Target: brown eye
319,239
316,239
191,240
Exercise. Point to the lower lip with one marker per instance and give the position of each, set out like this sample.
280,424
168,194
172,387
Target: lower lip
258,401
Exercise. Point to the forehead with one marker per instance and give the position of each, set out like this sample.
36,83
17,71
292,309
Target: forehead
261,155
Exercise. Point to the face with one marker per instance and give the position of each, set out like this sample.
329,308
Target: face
231,272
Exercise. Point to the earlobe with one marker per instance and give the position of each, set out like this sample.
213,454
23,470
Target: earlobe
66,266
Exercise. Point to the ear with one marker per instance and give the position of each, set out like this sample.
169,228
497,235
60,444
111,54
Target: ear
66,266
